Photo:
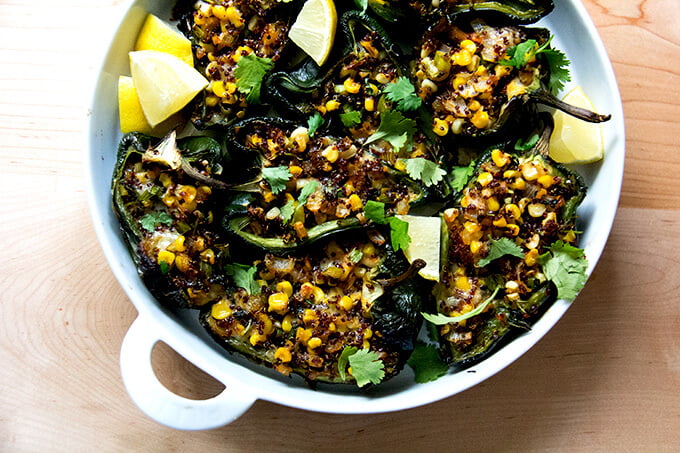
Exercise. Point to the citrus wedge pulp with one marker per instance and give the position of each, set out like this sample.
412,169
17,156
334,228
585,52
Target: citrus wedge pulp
132,117
158,35
425,234
314,29
575,141
164,83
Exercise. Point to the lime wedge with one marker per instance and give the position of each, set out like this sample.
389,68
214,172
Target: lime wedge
314,29
425,233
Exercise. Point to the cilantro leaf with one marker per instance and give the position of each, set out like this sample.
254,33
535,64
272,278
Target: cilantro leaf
350,118
152,219
559,69
287,211
250,72
375,211
165,267
525,145
424,170
314,122
404,94
565,265
306,191
243,277
426,363
440,319
399,233
520,54
460,176
558,63
394,128
499,248
366,365
276,177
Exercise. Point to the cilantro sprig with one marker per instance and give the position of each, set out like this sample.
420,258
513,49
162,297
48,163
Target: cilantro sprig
395,129
426,363
459,176
314,122
404,94
289,208
558,63
440,319
250,72
151,220
276,177
375,211
565,265
424,170
243,277
499,248
366,365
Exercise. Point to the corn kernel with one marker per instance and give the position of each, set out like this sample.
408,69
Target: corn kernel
492,204
569,236
256,338
530,257
234,17
518,184
166,257
285,287
546,181
309,315
512,296
241,51
463,283
369,104
331,153
177,245
221,310
500,158
182,262
480,119
283,355
278,302
217,87
536,209
211,101
462,58
458,82
355,202
529,171
500,222
332,105
468,45
441,127
303,334
508,174
268,196
351,86
301,138
287,323
382,78
346,303
314,342
485,178
220,12
514,229
475,246
472,227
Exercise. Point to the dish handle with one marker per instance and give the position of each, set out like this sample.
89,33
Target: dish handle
164,406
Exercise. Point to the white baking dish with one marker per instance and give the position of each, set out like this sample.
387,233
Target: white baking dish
246,382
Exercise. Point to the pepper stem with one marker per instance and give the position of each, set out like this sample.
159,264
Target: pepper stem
413,269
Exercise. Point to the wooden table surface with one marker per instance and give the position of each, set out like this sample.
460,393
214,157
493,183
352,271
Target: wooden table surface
606,378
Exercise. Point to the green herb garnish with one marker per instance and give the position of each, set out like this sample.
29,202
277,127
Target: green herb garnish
366,365
243,277
250,72
404,94
499,248
151,220
276,177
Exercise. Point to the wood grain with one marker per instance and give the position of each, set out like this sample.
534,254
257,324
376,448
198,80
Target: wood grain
606,378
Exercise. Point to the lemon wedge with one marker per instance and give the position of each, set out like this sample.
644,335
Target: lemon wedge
132,117
314,29
164,83
425,233
158,35
575,141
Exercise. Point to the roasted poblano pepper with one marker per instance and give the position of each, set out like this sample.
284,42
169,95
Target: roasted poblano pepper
474,88
306,312
515,206
223,32
513,11
166,216
310,187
